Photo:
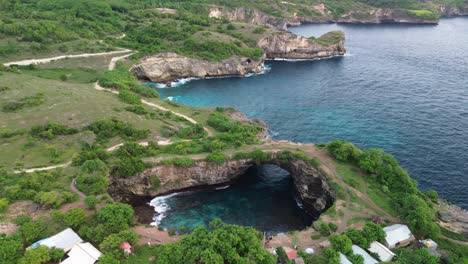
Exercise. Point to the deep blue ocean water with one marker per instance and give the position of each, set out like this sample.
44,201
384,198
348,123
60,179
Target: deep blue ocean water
401,88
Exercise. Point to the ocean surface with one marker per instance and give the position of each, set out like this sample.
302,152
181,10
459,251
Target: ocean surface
403,88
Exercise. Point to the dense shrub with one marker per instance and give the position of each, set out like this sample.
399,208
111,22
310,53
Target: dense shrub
91,202
88,152
220,243
25,102
192,132
344,151
92,183
129,97
109,128
127,167
216,157
120,78
51,130
116,217
179,162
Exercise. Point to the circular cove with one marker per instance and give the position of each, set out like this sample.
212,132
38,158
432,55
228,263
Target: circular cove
262,198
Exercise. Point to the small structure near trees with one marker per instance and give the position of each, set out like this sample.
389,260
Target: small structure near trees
382,251
398,236
126,247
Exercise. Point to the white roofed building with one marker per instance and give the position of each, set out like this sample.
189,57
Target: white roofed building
384,253
82,253
398,236
64,240
368,259
344,259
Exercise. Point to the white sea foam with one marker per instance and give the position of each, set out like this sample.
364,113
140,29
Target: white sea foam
222,187
170,98
294,60
160,208
181,82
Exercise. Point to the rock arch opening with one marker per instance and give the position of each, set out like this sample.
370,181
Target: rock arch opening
309,186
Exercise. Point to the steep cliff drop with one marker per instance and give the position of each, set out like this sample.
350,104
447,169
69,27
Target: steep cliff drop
291,46
311,186
166,67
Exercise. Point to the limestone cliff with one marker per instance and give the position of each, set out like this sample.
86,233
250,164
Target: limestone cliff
291,46
311,186
324,15
167,67
251,16
382,16
452,11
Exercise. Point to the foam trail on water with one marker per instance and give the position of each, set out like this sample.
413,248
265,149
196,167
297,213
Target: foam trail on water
160,208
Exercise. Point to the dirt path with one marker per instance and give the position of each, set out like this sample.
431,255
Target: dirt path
463,243
153,236
114,60
75,190
47,60
43,168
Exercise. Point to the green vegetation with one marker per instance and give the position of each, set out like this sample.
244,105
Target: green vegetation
216,157
75,75
407,200
330,38
121,79
229,244
424,14
25,102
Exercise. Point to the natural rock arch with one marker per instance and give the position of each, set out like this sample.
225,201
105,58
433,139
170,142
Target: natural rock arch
311,185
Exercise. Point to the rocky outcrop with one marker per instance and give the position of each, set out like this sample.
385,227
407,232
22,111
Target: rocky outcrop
251,16
453,217
291,46
383,16
452,11
311,186
241,117
167,67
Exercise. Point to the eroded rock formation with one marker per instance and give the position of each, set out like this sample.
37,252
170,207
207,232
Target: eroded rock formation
311,186
323,15
383,16
251,16
166,67
291,46
451,11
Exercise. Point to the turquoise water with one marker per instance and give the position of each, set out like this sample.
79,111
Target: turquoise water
263,198
401,88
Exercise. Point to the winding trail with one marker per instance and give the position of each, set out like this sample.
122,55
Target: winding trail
47,60
43,168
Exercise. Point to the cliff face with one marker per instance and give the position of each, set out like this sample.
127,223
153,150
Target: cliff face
311,186
367,16
451,11
167,67
291,46
250,16
382,16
